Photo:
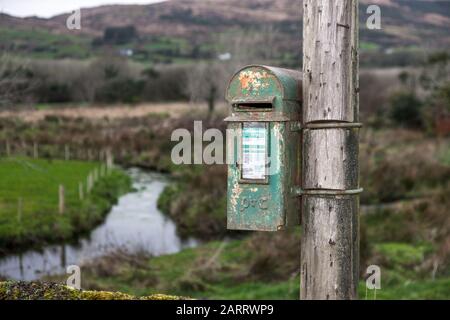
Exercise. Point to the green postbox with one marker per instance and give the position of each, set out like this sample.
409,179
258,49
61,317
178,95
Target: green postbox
264,148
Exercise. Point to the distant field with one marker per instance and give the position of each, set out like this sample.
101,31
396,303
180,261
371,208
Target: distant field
112,112
42,44
35,184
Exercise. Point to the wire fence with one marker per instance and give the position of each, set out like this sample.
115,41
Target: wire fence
65,195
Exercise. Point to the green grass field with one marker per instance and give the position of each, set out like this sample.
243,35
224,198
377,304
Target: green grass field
35,184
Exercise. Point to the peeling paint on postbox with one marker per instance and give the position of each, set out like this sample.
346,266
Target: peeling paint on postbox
264,102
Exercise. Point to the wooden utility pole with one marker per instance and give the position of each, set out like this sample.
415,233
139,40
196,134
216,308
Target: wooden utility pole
330,218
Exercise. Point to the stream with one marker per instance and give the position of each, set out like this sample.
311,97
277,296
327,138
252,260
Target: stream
134,225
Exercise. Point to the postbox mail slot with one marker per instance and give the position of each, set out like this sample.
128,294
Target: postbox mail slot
254,105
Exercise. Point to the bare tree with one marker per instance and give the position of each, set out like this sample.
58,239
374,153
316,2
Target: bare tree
99,71
206,82
15,80
250,47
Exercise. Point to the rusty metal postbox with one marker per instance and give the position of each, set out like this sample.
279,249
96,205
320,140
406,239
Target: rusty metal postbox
264,145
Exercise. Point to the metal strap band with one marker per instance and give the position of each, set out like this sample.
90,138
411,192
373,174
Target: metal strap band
333,125
318,192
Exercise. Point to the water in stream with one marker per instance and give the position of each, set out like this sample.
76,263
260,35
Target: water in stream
134,224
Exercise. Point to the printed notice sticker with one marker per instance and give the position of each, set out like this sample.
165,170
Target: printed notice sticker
254,150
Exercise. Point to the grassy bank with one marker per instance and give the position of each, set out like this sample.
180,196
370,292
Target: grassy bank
29,211
233,271
197,194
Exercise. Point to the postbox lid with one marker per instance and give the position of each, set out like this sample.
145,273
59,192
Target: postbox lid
264,83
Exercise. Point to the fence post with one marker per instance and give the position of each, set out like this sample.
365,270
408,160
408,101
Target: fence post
61,199
66,152
35,150
88,184
19,209
24,149
109,160
80,191
8,149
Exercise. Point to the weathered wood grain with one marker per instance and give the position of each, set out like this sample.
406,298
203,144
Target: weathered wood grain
330,159
330,247
330,224
329,68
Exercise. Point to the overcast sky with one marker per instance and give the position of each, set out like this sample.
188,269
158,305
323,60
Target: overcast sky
49,8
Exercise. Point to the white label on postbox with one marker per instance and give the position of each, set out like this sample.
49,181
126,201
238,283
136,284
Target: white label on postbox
254,150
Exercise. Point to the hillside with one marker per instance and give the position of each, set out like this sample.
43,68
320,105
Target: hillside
194,26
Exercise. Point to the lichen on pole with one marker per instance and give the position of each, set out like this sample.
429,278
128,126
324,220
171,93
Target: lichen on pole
330,222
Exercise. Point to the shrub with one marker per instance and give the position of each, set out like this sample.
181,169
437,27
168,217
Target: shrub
53,92
120,90
406,110
166,84
374,97
16,80
119,35
437,111
197,202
